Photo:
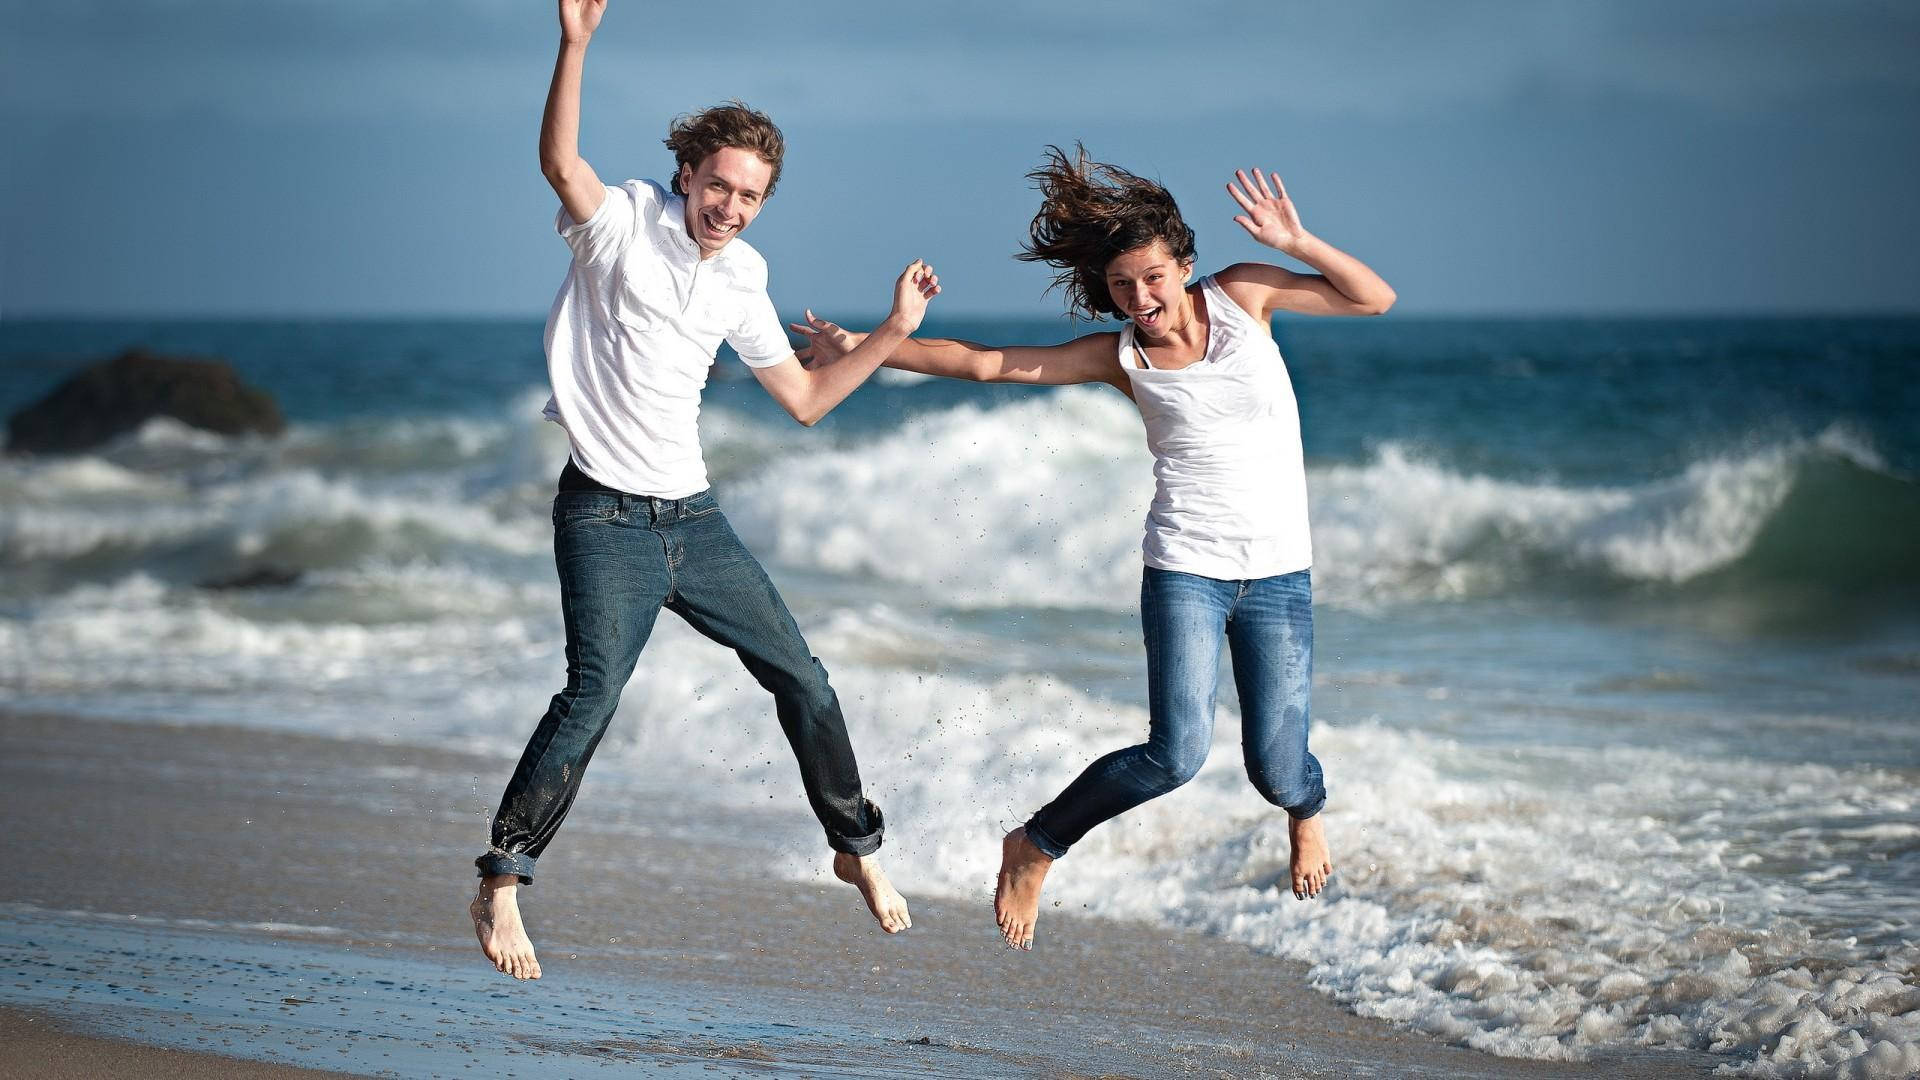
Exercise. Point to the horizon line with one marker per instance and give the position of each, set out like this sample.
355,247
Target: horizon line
1493,315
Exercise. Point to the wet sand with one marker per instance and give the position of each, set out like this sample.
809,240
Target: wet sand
301,901
38,1046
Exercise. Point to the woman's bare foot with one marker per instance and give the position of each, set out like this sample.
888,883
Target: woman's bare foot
496,921
1016,896
863,872
1311,863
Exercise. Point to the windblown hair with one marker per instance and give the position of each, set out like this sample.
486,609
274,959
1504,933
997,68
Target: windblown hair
694,138
1090,214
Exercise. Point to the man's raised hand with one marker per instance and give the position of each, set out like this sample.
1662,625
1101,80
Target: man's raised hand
916,285
579,18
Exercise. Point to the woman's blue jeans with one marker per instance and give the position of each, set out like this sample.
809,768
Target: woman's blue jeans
621,559
1268,627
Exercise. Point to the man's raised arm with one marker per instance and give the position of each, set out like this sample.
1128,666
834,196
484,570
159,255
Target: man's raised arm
572,178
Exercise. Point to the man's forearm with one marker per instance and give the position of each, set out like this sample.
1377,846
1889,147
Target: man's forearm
830,384
560,125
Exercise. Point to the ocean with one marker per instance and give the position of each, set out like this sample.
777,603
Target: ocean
1617,679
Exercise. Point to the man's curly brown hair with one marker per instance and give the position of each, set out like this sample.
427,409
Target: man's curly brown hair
1090,214
695,137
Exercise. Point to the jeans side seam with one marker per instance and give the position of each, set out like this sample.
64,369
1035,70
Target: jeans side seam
535,841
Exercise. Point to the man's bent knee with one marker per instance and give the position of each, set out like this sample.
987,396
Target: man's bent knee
804,686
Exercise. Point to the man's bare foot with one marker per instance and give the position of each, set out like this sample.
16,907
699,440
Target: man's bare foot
496,921
1311,863
863,872
1016,896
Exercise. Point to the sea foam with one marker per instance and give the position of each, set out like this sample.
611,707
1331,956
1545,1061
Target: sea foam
1043,502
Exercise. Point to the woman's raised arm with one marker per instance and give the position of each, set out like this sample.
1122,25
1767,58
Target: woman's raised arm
1344,284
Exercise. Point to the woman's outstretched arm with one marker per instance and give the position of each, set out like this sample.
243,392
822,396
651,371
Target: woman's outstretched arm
1344,284
1093,358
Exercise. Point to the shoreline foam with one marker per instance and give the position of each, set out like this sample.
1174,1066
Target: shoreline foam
641,912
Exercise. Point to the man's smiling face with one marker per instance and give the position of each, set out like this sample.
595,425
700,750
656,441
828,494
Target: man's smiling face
724,195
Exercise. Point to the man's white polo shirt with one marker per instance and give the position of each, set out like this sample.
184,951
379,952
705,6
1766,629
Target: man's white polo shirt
635,329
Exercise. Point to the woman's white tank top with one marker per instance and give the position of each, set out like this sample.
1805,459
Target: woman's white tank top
1230,481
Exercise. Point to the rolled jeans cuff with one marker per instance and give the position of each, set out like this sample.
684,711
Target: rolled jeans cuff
1043,839
496,863
861,845
1308,809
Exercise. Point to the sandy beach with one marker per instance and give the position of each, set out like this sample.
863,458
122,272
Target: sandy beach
44,1047
241,894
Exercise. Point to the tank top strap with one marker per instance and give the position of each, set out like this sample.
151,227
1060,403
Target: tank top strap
1221,306
1130,354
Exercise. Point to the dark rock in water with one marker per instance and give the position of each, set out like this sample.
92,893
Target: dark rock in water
116,396
259,577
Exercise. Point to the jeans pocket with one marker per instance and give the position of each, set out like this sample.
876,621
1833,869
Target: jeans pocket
574,513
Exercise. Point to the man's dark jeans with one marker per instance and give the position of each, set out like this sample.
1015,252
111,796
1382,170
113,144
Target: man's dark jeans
622,558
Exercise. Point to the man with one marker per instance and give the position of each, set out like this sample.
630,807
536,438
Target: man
657,281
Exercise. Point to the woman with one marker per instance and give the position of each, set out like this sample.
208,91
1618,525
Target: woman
1227,549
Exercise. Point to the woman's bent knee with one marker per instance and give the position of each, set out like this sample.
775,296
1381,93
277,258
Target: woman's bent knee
1173,767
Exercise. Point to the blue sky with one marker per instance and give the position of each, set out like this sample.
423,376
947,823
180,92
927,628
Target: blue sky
312,157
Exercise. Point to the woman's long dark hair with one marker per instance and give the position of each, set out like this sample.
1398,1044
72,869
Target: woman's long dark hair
1091,213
